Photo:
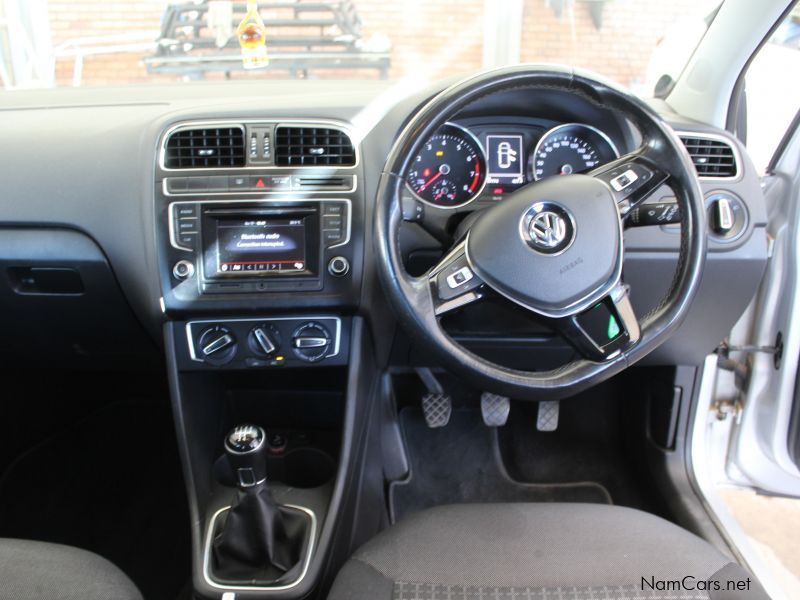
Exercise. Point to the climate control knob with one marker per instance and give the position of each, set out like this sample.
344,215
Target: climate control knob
311,342
217,345
264,340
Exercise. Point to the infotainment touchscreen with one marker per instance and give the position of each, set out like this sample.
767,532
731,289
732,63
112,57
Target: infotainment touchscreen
261,245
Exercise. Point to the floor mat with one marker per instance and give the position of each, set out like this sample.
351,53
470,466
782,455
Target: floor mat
597,439
460,463
111,484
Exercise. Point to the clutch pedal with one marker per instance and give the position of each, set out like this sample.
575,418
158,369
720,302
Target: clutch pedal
437,406
494,409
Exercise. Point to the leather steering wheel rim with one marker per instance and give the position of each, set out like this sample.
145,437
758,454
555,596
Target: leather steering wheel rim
411,297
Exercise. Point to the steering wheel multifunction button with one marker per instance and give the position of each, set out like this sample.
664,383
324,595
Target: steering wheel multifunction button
456,277
631,183
459,278
548,228
620,182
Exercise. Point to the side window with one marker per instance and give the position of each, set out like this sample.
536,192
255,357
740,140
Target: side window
773,90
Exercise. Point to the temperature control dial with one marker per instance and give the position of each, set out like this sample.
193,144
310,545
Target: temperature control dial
311,342
217,345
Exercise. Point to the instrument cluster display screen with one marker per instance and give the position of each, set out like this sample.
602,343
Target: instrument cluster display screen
504,160
261,246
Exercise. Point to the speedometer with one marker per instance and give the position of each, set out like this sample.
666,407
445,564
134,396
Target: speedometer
450,170
571,148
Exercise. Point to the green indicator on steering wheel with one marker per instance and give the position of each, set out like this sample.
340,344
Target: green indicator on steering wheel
613,327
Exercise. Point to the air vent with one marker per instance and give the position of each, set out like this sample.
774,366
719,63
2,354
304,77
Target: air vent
323,183
313,146
208,148
711,157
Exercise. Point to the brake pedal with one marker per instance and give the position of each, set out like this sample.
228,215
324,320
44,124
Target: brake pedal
437,409
494,409
436,405
547,417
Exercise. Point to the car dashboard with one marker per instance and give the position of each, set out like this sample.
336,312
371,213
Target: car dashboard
128,173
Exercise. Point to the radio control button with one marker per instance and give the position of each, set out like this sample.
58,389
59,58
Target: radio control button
339,266
186,210
187,239
331,222
332,236
333,209
187,226
183,269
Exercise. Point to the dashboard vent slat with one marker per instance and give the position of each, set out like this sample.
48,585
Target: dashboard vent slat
313,146
711,157
207,148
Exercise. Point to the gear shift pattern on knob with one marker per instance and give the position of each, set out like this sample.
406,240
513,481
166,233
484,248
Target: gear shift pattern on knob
247,453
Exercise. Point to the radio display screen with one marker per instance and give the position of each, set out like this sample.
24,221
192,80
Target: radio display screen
261,246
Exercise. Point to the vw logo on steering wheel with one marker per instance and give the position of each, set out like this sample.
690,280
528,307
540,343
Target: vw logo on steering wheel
548,228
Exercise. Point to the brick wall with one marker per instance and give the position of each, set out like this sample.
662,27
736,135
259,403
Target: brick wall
430,38
620,49
71,19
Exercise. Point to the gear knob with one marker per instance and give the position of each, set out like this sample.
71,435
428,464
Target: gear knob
246,447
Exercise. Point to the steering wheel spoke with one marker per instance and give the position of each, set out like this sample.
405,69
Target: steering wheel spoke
453,283
632,178
601,332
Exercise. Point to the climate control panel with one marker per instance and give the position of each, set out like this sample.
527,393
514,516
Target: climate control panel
268,343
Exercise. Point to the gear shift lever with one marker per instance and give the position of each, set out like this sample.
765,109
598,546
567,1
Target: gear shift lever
258,539
247,453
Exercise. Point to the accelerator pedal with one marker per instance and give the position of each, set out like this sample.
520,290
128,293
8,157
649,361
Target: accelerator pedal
437,406
547,417
494,409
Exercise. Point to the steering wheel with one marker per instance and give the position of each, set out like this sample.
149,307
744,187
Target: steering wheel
554,247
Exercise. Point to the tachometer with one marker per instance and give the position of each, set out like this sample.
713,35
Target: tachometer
450,170
571,148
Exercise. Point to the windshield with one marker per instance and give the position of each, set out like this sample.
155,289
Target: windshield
55,43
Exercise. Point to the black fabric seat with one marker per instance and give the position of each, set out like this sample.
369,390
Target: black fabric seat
39,571
535,551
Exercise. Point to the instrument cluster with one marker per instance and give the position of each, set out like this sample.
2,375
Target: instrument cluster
459,164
